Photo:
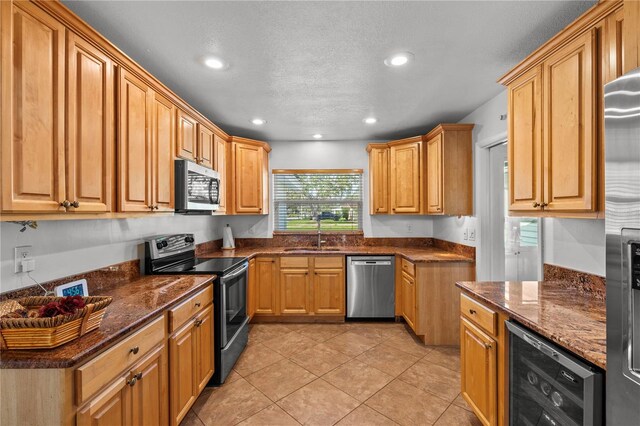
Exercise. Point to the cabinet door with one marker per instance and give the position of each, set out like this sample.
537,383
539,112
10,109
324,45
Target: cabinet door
570,137
379,180
248,178
295,287
205,146
150,400
182,380
405,177
134,145
613,53
434,175
220,165
204,352
90,127
33,105
187,136
408,294
163,131
251,292
111,407
479,371
329,291
266,294
525,142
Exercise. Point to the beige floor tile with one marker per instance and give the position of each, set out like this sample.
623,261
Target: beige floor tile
456,416
320,359
387,358
407,405
262,332
230,404
232,377
270,416
410,344
351,344
323,332
434,379
358,379
191,419
460,402
318,403
365,416
384,330
256,357
280,379
448,357
290,343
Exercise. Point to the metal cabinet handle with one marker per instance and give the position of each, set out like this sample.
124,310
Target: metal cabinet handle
536,204
487,346
134,350
543,205
132,381
197,322
75,204
138,376
472,311
66,204
198,304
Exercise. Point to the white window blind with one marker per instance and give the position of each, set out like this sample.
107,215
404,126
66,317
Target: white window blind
300,196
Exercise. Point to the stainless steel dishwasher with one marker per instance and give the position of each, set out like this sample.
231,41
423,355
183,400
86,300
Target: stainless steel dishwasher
370,287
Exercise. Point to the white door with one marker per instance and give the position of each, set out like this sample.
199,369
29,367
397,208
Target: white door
515,241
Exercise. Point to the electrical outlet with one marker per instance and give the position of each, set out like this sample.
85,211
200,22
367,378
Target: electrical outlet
409,228
466,234
472,234
21,253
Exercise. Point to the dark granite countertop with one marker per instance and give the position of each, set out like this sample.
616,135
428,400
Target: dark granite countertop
134,304
572,319
426,254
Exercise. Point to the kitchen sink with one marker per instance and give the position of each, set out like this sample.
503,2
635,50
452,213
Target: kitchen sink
313,249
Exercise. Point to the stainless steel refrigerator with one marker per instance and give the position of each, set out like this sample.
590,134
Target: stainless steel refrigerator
622,224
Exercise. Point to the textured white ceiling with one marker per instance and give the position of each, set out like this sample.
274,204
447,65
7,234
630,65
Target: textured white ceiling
317,67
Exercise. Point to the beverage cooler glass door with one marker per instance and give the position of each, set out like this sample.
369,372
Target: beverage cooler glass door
234,302
548,386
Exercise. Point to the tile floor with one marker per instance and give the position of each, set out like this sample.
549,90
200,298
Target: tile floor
345,374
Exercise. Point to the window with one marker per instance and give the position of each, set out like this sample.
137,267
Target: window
301,196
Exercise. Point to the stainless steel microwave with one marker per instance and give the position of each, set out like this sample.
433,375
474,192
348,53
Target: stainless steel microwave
197,188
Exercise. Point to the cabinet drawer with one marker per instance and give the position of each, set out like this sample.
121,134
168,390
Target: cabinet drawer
409,267
328,262
181,313
294,262
477,313
95,374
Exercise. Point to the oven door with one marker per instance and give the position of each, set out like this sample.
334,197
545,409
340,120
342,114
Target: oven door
197,187
233,303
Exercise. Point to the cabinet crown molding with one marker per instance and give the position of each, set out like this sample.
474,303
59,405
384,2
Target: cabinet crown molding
448,127
254,142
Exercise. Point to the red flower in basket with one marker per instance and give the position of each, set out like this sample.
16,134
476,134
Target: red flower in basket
66,306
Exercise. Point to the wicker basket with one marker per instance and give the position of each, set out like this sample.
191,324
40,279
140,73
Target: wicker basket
42,333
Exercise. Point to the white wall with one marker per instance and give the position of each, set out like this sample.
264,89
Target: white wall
63,248
576,243
331,155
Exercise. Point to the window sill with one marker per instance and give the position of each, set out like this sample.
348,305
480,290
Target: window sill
315,232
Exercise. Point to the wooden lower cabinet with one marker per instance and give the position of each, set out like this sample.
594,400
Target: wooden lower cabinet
266,286
408,301
478,363
111,407
295,292
251,290
191,362
328,291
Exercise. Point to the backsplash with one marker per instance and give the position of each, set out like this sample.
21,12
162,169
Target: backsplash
586,283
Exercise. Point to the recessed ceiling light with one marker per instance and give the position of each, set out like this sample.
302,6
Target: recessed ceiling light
398,59
258,121
317,136
215,63
370,120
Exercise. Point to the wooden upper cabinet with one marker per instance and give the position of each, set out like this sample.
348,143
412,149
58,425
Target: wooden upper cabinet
406,177
250,176
33,106
631,35
163,131
613,47
90,127
570,139
205,146
434,175
378,178
220,165
187,136
134,144
478,362
266,286
525,141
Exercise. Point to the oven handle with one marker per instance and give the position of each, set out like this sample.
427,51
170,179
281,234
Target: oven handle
235,273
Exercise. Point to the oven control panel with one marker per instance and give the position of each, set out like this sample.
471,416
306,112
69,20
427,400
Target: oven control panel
167,245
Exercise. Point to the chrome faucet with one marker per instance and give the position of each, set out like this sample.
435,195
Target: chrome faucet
320,240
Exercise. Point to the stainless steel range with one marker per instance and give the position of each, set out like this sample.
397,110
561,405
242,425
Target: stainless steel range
175,254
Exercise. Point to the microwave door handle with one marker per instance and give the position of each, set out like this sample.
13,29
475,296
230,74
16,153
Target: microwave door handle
211,191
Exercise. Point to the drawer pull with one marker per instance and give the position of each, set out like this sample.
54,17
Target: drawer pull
138,376
198,304
472,311
132,381
198,323
487,345
134,350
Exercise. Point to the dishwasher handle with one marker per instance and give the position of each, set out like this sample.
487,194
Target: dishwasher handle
370,262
